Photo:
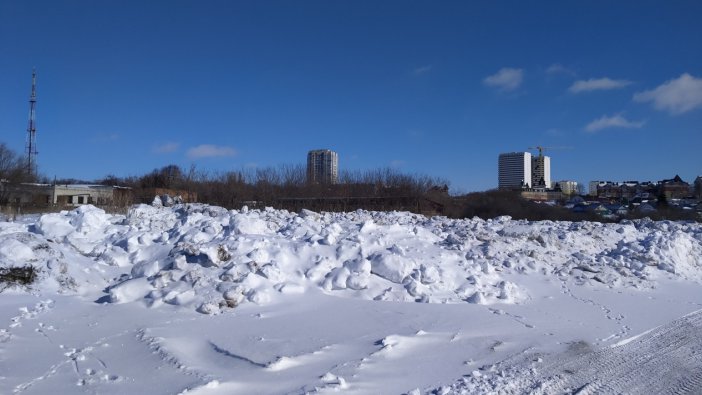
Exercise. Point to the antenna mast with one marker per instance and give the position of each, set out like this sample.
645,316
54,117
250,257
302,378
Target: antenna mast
32,128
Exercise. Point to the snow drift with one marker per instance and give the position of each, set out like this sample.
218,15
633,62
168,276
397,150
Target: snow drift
212,259
289,303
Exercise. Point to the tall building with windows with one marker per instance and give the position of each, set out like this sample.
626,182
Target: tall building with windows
541,172
514,170
322,167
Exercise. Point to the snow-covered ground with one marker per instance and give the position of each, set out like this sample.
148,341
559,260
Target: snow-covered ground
201,300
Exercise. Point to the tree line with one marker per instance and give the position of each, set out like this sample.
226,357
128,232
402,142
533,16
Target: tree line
13,167
286,187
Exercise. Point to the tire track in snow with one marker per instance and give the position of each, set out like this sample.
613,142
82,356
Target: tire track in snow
663,360
691,384
667,359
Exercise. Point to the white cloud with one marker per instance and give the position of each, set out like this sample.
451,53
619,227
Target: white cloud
507,79
421,70
615,121
166,148
597,84
675,96
558,68
209,151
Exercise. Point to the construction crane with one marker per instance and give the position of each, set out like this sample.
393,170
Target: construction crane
542,149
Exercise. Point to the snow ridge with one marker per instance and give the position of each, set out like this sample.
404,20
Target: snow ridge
212,259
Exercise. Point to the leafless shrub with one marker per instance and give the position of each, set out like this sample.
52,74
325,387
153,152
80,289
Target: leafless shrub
17,276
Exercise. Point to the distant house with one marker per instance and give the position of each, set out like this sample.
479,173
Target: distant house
541,195
597,208
623,190
575,200
64,194
646,208
602,211
674,188
619,210
77,194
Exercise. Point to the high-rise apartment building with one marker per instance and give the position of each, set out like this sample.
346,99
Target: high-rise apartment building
322,166
541,172
514,170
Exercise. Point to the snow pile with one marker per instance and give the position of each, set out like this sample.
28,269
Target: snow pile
212,259
61,247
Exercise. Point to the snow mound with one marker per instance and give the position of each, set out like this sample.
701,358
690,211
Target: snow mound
211,259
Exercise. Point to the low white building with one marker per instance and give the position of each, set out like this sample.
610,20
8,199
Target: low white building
568,187
64,194
592,190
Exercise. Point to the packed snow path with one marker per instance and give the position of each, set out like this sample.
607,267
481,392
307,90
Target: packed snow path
663,360
666,360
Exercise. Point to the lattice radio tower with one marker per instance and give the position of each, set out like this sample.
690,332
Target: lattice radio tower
32,128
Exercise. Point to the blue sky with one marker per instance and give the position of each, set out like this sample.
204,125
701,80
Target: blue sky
436,88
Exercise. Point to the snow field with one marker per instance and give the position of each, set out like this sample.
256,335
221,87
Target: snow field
202,300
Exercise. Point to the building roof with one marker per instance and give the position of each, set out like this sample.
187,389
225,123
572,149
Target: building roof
674,180
75,186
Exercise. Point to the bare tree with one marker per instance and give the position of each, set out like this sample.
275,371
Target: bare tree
12,167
